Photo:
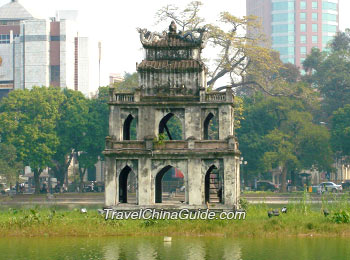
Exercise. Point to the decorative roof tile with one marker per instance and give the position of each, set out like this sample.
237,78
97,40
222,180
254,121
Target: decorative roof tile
173,41
166,65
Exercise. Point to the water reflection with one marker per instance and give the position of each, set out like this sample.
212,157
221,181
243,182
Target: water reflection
146,251
154,248
111,251
196,250
232,252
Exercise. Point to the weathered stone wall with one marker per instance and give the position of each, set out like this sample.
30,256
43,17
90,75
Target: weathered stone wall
111,193
192,119
151,81
194,170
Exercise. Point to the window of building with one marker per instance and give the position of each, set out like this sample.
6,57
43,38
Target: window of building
281,6
283,28
9,22
302,60
303,50
54,38
327,39
4,38
302,16
303,27
329,6
285,51
314,16
283,39
314,5
314,39
55,74
288,60
314,27
285,17
302,38
302,4
329,17
329,28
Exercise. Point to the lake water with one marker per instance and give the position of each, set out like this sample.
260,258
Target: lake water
130,248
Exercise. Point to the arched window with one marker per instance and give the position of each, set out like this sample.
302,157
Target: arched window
129,128
170,185
171,126
127,185
213,186
210,128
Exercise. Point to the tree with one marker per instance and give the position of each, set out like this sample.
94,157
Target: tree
70,128
28,119
93,138
10,167
240,57
341,42
129,84
187,19
278,132
341,130
281,154
328,72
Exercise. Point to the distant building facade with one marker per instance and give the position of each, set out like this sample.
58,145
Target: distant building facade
39,52
294,27
115,78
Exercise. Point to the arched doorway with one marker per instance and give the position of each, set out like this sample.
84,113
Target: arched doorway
169,186
171,126
127,186
129,128
210,127
213,186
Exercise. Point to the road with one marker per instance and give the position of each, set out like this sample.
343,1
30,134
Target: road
98,199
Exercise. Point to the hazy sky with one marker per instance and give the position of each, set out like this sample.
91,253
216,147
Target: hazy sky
114,23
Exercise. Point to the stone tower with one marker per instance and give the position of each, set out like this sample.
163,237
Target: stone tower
172,84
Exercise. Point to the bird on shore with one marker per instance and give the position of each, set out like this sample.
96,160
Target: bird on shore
284,210
325,212
272,213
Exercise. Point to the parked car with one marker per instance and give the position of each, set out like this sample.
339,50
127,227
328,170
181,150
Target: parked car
346,185
330,186
266,186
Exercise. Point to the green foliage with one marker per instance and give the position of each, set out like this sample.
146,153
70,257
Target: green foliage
341,130
159,140
48,125
175,128
243,202
28,120
129,84
341,217
341,42
93,139
278,132
10,167
70,128
329,73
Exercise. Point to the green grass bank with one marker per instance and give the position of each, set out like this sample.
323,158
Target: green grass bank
302,219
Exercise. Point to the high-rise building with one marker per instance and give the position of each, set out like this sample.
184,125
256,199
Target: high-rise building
41,52
294,27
